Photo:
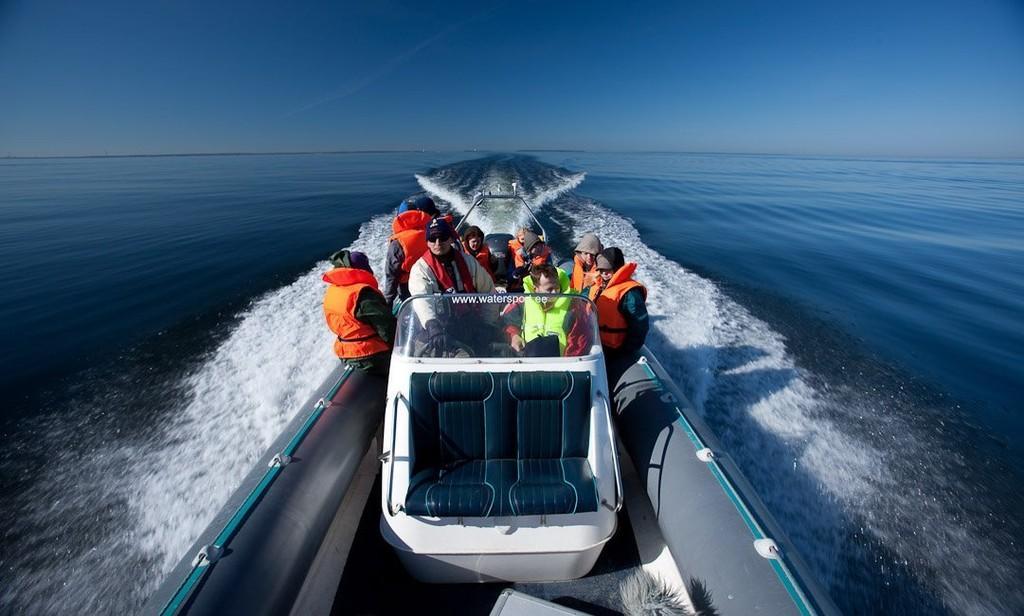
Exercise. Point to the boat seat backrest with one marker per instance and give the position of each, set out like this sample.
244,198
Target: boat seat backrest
552,412
500,443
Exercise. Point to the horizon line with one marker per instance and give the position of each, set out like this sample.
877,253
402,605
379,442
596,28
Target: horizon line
510,151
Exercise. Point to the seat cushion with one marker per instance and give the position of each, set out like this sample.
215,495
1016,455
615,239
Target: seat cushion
500,444
552,486
448,417
456,489
470,488
552,411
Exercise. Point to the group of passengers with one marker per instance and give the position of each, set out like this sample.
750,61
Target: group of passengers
426,256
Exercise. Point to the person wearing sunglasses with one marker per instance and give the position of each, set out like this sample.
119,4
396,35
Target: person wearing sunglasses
443,269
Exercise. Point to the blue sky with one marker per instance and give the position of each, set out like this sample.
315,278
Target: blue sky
920,77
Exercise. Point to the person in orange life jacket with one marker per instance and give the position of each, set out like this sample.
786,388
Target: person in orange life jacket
419,202
473,242
533,252
356,312
621,303
443,269
516,244
424,203
406,245
584,273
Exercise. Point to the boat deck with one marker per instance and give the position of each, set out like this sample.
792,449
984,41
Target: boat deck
374,581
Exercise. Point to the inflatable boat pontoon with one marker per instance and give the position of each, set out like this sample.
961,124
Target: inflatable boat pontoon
478,479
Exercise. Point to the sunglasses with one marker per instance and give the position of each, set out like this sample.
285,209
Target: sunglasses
442,238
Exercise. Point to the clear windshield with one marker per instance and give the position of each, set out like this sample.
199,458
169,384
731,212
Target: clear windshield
497,326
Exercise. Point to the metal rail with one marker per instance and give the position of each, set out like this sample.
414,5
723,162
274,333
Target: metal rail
514,196
390,455
619,494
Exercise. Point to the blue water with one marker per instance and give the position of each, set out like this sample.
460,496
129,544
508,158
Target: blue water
849,327
922,259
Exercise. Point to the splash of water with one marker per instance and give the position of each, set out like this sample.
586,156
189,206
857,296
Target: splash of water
870,507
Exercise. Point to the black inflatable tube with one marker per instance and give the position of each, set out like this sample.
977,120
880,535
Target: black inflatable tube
707,512
266,561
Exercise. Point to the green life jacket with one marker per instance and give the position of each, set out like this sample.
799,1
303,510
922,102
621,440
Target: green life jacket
539,322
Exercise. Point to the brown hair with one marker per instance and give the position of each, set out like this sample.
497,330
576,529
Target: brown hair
473,231
543,271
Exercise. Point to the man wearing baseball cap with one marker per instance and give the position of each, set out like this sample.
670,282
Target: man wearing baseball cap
443,269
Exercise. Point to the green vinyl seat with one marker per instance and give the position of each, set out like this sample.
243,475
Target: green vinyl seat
499,444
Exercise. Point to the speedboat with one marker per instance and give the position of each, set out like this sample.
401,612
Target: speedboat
498,467
481,479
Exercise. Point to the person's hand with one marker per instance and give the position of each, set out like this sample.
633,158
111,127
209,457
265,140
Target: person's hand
437,339
520,272
517,343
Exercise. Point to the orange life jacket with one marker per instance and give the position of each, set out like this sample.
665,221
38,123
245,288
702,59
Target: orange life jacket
355,338
582,279
409,230
609,318
514,247
519,255
451,222
455,232
483,257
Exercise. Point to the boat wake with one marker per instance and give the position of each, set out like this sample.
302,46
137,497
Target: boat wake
863,471
457,185
121,511
860,473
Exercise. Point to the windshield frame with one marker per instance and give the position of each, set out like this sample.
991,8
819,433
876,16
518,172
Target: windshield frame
403,338
514,196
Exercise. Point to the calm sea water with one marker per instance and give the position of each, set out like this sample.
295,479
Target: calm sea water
849,327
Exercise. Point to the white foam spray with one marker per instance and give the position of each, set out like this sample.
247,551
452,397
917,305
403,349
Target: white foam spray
793,440
785,432
504,220
840,491
235,403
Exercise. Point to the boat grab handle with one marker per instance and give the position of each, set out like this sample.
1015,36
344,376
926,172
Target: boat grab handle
619,495
390,456
514,196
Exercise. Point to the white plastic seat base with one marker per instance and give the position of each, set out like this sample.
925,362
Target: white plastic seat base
444,551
